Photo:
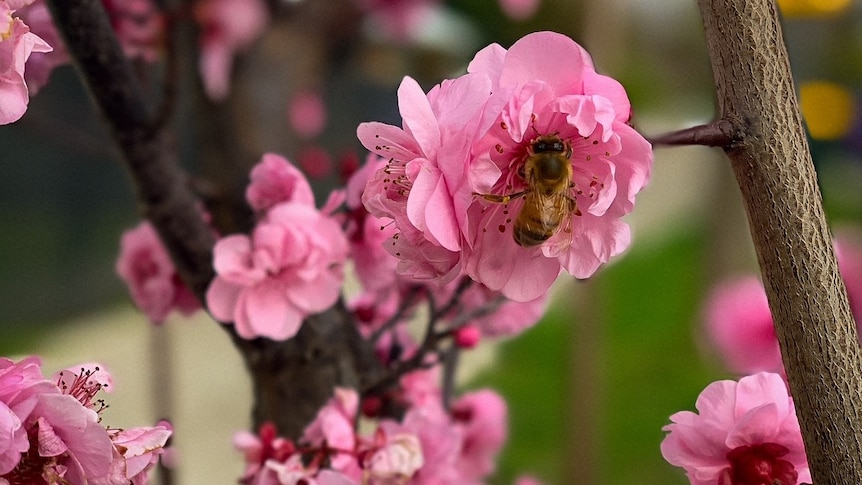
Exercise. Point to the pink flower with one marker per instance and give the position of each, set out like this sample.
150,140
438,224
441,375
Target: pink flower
16,45
40,65
139,450
333,426
746,434
396,461
519,9
290,268
139,26
739,325
228,27
306,113
397,19
483,416
456,183
848,251
146,268
273,180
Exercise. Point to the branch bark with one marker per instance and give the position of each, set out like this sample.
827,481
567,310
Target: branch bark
776,176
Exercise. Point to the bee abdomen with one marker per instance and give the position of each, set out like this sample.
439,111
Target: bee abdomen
532,231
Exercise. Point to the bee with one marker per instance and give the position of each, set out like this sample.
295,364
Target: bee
547,173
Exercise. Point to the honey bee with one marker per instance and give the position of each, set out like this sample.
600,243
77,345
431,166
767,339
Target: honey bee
547,173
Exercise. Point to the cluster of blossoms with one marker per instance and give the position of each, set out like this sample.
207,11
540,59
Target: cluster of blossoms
429,445
50,431
473,156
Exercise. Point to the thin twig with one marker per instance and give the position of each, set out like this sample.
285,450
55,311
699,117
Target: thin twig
723,133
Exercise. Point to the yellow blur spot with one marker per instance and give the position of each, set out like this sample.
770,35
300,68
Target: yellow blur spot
828,109
812,8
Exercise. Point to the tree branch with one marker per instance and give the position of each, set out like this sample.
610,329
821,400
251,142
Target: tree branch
162,188
721,133
779,186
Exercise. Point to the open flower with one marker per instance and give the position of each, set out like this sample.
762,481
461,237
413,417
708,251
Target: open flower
146,268
291,267
534,127
16,45
745,434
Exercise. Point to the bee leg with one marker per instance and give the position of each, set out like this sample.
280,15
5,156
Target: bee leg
501,199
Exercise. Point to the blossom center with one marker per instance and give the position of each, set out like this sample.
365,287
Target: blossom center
759,465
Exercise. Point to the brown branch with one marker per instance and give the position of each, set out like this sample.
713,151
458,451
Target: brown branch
779,186
161,184
722,133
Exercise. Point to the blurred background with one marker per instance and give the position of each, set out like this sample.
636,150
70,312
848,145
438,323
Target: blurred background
588,388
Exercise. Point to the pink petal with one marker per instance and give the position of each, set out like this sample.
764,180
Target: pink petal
417,116
222,298
266,312
387,141
528,59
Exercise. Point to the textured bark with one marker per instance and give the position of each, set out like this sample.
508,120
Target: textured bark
773,167
291,379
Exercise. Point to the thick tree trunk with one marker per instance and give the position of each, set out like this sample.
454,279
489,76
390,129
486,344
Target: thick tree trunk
773,166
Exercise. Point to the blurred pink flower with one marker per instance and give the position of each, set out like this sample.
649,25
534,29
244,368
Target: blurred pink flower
333,427
746,433
519,9
228,27
528,480
146,268
290,268
848,252
17,43
139,26
483,417
315,161
140,449
306,113
471,135
739,325
395,461
397,19
273,180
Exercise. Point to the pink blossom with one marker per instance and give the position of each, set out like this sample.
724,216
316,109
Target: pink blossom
290,268
315,161
307,113
519,9
146,268
739,325
496,316
527,480
139,26
16,45
333,426
848,251
273,180
397,19
396,461
139,449
228,27
473,135
40,65
483,416
746,432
